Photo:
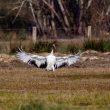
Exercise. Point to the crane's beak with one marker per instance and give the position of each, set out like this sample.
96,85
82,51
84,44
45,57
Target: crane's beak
54,46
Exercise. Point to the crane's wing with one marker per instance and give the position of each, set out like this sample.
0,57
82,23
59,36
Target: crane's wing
36,60
60,62
67,60
72,59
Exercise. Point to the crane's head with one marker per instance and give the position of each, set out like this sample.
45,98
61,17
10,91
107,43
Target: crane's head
53,48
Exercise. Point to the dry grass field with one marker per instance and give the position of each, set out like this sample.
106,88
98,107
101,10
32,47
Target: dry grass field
84,86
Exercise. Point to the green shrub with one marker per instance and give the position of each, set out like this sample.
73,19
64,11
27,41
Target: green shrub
43,46
73,48
62,48
67,48
98,45
22,34
107,45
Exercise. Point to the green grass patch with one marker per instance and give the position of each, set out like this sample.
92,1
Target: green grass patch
41,46
102,45
78,100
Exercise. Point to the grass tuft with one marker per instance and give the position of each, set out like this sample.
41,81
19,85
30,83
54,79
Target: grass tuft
11,46
42,46
98,45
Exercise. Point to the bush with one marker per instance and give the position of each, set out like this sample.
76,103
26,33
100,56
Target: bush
107,45
73,48
98,45
43,46
68,48
22,34
62,48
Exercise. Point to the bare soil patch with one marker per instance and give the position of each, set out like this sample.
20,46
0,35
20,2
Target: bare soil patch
89,58
85,83
91,73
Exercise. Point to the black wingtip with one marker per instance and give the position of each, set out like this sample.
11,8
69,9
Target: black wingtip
20,49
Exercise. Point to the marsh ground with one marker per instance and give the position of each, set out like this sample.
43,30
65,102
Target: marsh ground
84,86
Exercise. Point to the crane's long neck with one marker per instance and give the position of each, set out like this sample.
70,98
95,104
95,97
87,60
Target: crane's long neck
53,48
51,52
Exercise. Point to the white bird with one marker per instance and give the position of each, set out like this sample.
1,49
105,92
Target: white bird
50,62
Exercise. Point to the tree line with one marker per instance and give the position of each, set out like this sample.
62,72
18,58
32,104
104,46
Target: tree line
57,17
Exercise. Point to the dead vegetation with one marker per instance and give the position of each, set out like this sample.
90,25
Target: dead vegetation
89,58
92,72
85,83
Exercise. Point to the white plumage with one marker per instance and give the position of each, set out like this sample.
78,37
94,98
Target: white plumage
50,62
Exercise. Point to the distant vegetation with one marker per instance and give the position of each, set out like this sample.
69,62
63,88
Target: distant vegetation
102,45
56,18
62,46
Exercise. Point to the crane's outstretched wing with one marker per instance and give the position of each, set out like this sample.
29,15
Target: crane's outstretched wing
31,59
72,59
60,62
67,60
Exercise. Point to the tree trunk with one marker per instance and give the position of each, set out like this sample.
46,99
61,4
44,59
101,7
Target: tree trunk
63,13
80,29
52,21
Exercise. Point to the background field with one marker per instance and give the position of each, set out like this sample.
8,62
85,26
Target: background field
84,86
71,25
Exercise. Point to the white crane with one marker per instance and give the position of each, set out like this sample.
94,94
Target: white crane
50,62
